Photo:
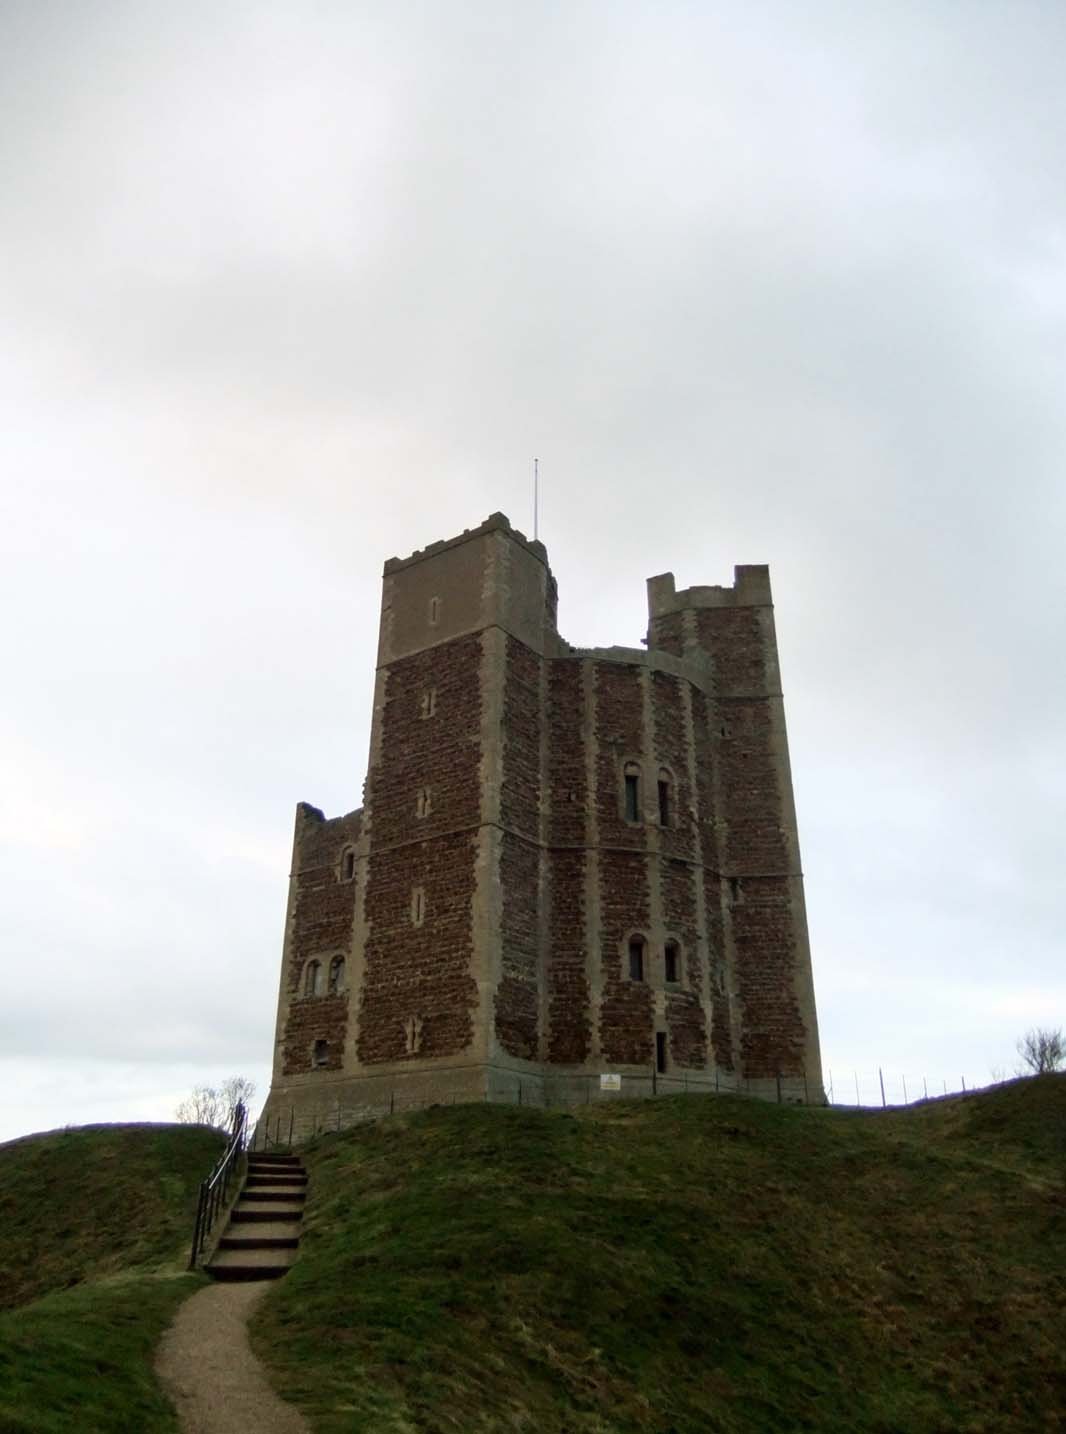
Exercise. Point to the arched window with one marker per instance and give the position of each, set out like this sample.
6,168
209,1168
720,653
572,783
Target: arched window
427,703
313,978
319,1054
434,611
636,958
336,976
671,963
423,802
631,791
348,863
666,798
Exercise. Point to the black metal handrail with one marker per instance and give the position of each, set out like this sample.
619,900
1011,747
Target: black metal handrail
214,1191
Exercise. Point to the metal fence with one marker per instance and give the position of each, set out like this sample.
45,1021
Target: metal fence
282,1127
882,1086
877,1088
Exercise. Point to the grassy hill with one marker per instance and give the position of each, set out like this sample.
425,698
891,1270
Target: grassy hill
681,1266
95,1228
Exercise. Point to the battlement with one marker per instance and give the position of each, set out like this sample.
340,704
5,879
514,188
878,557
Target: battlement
494,523
751,588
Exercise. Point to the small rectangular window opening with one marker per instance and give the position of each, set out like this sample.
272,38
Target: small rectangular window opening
670,962
319,1053
418,906
632,797
434,611
664,803
660,1051
428,702
636,960
348,866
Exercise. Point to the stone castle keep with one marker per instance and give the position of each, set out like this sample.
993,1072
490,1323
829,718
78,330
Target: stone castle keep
570,862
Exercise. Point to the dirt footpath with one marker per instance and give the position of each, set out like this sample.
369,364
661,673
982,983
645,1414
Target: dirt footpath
207,1367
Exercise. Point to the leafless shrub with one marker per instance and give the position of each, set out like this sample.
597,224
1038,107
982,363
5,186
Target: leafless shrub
1043,1051
214,1105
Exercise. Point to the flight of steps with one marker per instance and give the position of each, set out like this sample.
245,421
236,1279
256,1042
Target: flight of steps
260,1240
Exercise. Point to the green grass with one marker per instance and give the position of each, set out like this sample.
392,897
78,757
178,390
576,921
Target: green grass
81,1359
95,1226
685,1265
79,1204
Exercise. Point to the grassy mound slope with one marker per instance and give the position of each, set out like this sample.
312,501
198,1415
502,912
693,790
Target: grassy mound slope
95,1230
78,1204
81,1359
684,1265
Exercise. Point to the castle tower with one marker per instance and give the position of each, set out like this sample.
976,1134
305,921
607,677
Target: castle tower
570,863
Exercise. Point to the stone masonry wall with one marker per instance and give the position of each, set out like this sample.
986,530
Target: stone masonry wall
710,834
685,1017
322,914
626,1007
671,751
756,855
569,1015
619,738
419,995
517,1001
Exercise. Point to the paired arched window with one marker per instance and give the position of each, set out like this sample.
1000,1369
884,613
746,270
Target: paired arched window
637,960
336,976
313,978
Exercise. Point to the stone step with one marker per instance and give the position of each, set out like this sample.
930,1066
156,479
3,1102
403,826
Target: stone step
250,1264
253,1240
257,1213
286,1194
261,1238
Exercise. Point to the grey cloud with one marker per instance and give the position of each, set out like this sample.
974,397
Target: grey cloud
288,292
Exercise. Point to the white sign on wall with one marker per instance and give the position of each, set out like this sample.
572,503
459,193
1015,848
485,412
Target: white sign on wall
610,1082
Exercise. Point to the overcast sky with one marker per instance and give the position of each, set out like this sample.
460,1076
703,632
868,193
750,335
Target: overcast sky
287,289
